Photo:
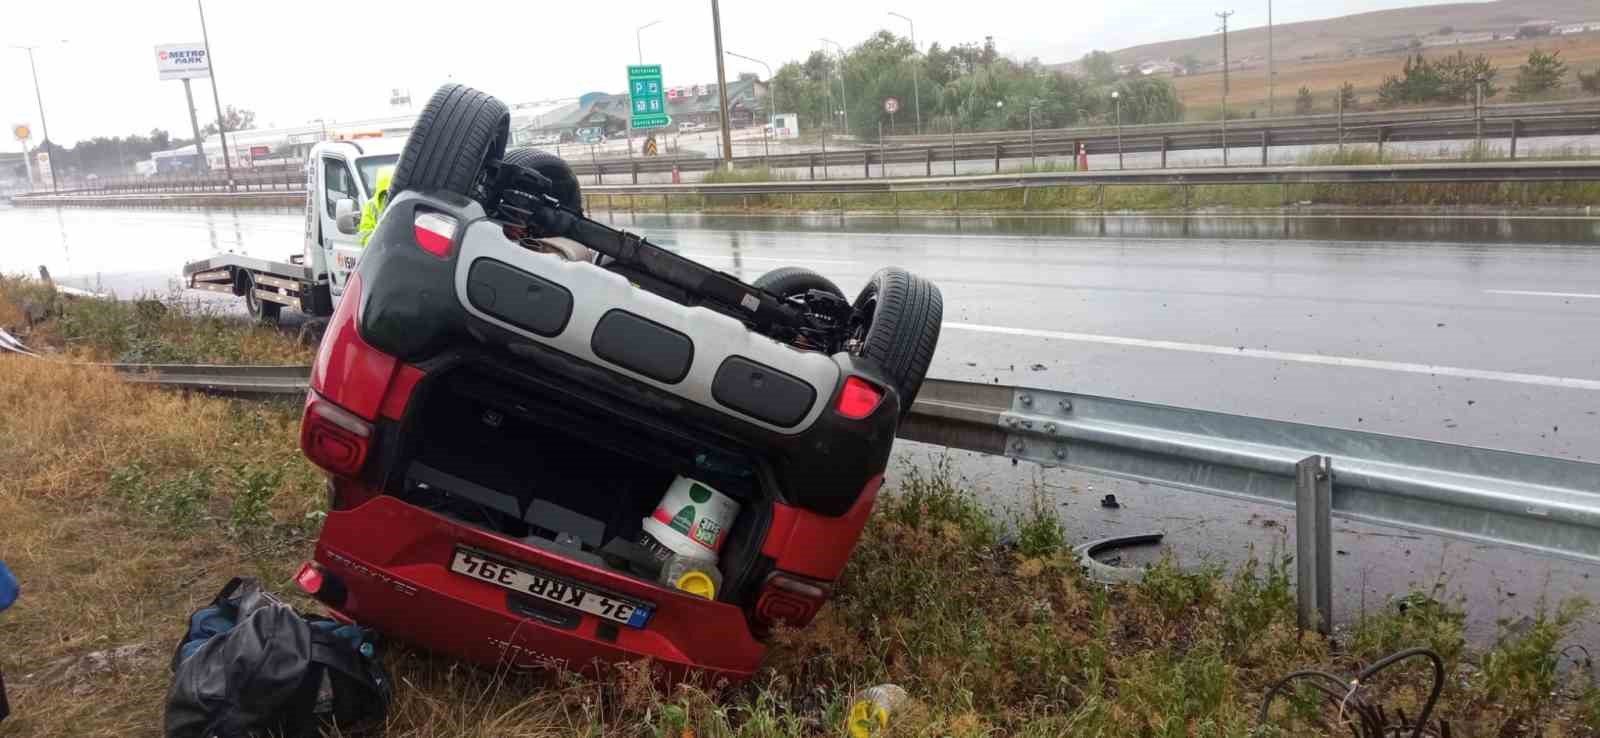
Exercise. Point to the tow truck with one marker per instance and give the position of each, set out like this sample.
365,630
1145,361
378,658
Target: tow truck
340,178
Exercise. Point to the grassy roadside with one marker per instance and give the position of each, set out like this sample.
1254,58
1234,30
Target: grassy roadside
125,507
1164,198
150,329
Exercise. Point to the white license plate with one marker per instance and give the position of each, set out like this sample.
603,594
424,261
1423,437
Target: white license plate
631,613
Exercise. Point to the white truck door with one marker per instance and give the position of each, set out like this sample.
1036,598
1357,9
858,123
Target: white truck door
340,251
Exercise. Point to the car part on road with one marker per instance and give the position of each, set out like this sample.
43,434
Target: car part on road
458,132
896,323
1106,573
1369,720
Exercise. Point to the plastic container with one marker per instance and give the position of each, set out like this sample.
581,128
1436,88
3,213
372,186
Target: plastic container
870,709
692,520
695,576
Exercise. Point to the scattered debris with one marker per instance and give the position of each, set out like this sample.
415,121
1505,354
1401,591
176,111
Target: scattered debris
1038,367
1106,574
870,709
1365,719
1110,502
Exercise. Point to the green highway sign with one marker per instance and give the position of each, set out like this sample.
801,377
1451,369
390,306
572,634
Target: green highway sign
647,99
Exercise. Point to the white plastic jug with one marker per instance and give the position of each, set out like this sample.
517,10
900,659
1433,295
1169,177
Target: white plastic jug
692,519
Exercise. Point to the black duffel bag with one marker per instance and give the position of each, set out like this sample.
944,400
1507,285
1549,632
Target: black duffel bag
249,665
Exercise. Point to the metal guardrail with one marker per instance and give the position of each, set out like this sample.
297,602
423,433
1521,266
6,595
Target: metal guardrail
1542,171
1507,121
1542,504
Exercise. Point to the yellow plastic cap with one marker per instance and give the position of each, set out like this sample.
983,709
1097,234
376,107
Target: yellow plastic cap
698,584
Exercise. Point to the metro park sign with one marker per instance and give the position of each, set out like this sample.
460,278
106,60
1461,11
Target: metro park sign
182,61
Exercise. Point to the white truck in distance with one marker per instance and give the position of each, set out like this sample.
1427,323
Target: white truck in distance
340,179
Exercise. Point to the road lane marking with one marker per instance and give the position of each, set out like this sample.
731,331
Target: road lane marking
1536,293
1344,361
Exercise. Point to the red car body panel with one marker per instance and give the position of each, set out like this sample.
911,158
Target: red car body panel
816,546
393,560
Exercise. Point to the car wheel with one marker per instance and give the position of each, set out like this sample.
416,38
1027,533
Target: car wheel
786,282
556,168
458,131
899,316
261,311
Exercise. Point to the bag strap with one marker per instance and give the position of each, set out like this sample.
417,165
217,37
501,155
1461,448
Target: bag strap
336,653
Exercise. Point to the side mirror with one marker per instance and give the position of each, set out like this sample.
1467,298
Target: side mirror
347,217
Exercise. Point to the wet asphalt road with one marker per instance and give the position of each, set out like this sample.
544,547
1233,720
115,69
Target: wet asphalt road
1478,331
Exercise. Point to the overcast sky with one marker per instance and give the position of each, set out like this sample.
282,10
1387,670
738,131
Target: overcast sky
296,60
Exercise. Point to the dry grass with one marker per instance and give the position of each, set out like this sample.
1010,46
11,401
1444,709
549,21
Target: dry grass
126,507
1248,87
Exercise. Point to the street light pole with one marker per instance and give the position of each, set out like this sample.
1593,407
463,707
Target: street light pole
844,93
916,87
638,38
1116,101
39,98
216,98
722,86
1272,74
773,95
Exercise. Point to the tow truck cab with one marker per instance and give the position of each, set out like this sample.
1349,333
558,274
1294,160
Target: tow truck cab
340,178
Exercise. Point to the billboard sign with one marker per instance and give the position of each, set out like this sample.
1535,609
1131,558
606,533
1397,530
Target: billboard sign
182,61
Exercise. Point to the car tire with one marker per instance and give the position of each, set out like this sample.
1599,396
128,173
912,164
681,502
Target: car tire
901,315
568,190
260,310
787,282
458,131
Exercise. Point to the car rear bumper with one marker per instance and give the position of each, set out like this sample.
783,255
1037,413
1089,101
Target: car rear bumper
391,560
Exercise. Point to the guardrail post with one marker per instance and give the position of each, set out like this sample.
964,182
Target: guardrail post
866,165
1100,198
1025,198
811,160
1383,135
997,158
1266,140
1313,505
1163,152
927,159
1516,128
635,167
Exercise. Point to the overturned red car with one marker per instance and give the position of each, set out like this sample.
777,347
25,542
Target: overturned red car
552,442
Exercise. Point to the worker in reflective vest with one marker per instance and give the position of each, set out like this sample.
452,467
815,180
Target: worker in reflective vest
375,204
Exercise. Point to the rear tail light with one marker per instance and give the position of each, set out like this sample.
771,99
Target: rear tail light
858,398
334,438
434,232
786,598
314,581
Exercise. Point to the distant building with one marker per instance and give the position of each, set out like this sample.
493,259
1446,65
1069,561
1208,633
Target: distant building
607,114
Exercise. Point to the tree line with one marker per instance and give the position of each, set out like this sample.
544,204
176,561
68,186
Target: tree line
114,156
970,86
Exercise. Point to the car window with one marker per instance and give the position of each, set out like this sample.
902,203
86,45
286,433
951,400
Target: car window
368,167
339,184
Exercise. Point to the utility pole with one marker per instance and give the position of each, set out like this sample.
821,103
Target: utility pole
1272,74
722,85
194,122
916,87
1224,16
216,98
39,98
